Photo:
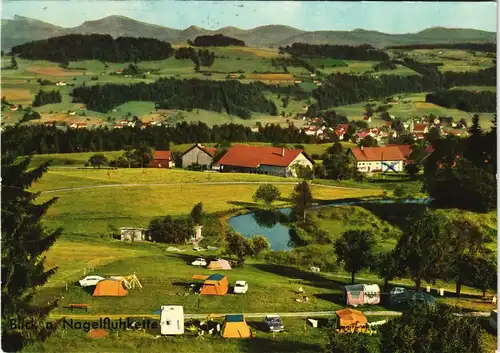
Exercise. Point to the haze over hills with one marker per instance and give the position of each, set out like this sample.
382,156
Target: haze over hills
20,30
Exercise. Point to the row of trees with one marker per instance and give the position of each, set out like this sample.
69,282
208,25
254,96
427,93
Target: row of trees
47,97
73,47
39,139
169,93
482,47
364,52
469,101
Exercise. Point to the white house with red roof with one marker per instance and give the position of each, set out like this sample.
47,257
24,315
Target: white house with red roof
378,159
264,160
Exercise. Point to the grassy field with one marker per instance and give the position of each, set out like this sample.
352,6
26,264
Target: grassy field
415,106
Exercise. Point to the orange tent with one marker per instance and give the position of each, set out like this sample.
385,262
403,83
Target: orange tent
214,285
348,316
235,326
109,288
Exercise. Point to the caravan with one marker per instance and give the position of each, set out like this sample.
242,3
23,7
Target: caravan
172,320
359,294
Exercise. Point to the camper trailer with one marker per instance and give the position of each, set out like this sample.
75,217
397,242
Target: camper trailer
359,294
172,320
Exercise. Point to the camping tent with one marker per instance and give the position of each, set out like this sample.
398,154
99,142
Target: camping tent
109,288
219,264
235,326
347,317
359,294
172,320
214,285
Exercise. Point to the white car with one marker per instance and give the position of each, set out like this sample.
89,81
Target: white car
240,287
199,262
397,290
90,281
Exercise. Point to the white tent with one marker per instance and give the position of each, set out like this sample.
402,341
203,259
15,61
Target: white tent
172,320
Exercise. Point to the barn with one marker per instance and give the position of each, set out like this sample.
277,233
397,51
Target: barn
378,159
162,159
199,154
264,160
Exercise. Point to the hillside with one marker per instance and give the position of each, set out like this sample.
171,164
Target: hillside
21,30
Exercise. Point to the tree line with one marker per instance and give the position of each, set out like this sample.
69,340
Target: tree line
39,139
469,101
47,97
217,40
483,47
363,52
168,93
101,47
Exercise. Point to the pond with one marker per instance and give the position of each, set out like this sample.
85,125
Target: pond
267,223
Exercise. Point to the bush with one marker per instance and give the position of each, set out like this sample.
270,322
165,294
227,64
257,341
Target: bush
169,230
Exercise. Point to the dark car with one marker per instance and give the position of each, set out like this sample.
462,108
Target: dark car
411,296
273,323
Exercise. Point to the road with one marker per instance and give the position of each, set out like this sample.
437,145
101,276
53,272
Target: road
199,183
247,315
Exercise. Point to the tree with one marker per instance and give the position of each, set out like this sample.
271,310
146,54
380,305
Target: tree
97,160
237,245
267,193
197,214
483,273
368,141
386,267
13,62
352,343
426,328
423,251
128,154
259,243
24,241
302,201
339,166
143,154
336,148
169,230
412,169
355,249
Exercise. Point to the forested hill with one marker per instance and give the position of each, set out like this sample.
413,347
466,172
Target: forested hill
94,47
230,96
345,52
217,40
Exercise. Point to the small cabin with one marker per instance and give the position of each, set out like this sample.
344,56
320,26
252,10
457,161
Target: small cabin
132,234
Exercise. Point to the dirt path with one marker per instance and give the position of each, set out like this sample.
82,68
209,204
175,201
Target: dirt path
198,183
247,315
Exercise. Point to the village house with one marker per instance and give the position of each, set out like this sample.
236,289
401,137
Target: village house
78,125
264,160
198,154
132,234
313,131
378,159
420,129
72,112
117,126
367,119
13,108
162,159
61,83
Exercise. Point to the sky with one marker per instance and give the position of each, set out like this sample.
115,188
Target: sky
388,17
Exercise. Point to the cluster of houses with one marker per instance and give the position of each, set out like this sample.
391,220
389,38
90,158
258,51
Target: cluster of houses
418,128
285,162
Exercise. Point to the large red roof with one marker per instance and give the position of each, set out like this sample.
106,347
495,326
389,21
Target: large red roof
164,155
253,156
405,149
378,154
419,127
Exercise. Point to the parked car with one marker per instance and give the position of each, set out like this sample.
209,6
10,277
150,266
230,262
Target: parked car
90,281
199,262
273,323
412,296
240,287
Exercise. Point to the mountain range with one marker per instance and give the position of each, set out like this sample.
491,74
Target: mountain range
21,30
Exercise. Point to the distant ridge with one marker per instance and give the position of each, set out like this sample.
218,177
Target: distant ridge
21,29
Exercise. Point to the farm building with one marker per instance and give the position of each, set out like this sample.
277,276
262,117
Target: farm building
235,326
198,154
219,264
378,159
132,234
109,288
162,159
348,317
214,285
264,160
172,320
359,294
